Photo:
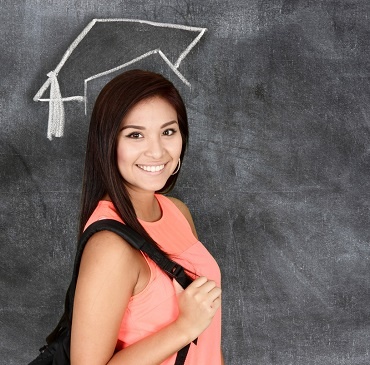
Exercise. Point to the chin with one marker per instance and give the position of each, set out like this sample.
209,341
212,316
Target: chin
152,188
147,186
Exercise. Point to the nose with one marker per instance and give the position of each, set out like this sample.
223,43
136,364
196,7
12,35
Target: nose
155,148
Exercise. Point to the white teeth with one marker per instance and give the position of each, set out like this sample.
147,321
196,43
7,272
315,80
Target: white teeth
151,168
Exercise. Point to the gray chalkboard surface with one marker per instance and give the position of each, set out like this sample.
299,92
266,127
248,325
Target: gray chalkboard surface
277,175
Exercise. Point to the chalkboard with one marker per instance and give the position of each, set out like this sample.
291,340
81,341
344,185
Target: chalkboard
277,174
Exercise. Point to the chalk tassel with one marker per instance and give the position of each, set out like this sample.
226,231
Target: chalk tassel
56,108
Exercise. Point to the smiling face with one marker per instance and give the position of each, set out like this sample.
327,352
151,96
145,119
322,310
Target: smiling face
149,145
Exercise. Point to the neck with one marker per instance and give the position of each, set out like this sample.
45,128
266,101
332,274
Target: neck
146,206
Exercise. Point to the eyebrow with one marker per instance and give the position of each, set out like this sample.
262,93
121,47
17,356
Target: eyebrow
142,128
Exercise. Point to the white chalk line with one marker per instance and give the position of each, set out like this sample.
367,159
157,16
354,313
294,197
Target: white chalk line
69,98
174,69
189,48
56,107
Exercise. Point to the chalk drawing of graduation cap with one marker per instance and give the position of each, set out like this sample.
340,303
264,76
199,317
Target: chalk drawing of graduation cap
108,45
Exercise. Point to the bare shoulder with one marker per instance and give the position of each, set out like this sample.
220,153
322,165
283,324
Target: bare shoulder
106,245
185,211
180,205
108,255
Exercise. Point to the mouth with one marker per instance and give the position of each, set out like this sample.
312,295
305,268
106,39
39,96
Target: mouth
148,168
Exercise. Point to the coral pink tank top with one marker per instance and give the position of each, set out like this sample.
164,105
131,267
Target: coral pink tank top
156,306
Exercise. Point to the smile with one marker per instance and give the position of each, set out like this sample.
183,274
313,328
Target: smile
151,168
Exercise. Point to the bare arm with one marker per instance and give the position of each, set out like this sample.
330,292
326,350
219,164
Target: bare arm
110,273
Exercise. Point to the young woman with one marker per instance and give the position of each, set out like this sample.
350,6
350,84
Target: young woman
126,309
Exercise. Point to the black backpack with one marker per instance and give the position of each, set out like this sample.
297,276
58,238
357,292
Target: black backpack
57,350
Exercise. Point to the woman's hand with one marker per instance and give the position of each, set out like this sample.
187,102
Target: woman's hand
198,304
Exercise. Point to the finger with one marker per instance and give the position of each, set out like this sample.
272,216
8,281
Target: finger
214,294
177,286
216,303
208,286
197,283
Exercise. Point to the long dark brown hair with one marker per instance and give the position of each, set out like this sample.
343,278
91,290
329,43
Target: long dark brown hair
101,175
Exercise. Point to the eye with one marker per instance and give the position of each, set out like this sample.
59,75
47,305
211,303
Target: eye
135,135
169,132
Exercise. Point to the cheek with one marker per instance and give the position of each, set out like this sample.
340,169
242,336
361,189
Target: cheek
120,154
124,155
179,146
124,162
